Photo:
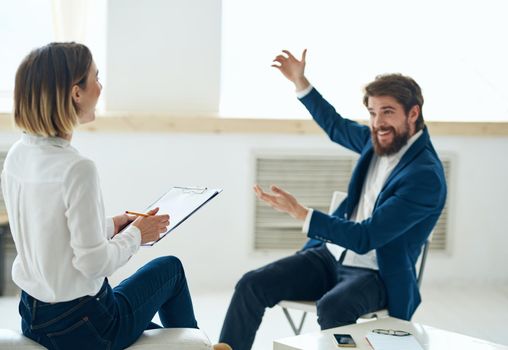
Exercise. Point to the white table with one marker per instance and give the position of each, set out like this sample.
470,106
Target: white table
429,337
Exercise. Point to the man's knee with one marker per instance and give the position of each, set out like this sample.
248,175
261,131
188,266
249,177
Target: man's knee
247,282
253,284
335,312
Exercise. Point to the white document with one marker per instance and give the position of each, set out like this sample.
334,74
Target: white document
180,203
392,342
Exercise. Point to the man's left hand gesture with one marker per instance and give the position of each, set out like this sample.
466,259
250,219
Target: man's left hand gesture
282,201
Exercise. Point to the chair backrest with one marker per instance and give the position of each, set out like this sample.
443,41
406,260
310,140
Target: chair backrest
423,260
337,198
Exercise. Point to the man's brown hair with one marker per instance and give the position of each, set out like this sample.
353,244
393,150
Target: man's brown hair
402,88
43,103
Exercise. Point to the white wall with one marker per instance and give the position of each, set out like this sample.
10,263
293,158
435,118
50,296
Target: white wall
216,244
163,56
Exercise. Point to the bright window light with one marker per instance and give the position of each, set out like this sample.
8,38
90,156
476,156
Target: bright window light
455,50
24,25
28,24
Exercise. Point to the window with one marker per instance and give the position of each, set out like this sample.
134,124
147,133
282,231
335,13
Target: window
28,24
453,49
24,25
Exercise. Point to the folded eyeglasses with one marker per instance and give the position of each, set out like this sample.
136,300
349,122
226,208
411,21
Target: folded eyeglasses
393,332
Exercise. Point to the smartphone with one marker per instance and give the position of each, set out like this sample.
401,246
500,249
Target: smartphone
344,340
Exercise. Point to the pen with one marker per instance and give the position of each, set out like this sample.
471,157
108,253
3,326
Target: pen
136,213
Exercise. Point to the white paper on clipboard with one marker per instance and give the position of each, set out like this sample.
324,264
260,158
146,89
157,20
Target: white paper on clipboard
180,203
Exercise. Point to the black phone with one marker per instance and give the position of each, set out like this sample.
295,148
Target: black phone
344,340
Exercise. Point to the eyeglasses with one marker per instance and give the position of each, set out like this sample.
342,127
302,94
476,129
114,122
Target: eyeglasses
393,332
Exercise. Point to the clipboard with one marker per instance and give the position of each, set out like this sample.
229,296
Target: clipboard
180,203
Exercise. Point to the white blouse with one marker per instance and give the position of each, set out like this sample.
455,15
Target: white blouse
58,223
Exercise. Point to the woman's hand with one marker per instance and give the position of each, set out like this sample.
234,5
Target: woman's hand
121,221
282,201
151,226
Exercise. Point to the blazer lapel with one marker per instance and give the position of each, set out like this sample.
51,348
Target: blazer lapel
410,154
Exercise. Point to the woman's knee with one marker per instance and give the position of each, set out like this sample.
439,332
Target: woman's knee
168,263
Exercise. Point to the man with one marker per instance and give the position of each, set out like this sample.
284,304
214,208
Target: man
362,257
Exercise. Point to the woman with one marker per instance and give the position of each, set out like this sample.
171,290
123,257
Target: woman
66,247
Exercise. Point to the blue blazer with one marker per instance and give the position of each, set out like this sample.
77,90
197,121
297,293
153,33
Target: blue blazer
404,214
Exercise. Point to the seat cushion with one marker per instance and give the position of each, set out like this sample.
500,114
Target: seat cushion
155,339
172,338
10,339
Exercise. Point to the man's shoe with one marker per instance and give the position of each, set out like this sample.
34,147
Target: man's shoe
222,346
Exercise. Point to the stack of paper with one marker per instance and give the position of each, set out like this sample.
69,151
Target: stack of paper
392,342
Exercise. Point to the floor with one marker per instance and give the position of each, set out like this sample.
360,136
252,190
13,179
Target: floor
478,311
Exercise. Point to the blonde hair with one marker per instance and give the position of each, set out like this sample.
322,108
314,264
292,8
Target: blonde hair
43,103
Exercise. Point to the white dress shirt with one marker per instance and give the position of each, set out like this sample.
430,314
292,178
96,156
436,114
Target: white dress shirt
57,219
380,168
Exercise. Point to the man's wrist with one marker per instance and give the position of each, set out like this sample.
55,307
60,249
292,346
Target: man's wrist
302,213
301,83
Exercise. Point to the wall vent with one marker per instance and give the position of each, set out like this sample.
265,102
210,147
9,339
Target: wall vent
312,179
440,234
3,155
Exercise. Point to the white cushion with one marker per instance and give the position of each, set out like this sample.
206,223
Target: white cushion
172,338
14,340
154,339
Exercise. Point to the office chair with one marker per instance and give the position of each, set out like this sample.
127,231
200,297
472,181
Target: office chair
307,306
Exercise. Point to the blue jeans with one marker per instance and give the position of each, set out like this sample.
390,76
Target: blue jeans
343,293
113,318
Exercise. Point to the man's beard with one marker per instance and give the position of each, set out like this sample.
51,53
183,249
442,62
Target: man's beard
399,140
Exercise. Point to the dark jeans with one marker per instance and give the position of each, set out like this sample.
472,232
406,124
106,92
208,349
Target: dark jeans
343,293
114,318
